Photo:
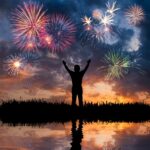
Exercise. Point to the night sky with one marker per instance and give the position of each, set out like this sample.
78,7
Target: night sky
45,76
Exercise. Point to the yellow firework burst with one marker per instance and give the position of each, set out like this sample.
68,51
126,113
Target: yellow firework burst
14,64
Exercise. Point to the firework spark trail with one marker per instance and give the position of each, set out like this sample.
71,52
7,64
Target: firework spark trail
27,23
135,62
135,15
98,33
60,33
46,39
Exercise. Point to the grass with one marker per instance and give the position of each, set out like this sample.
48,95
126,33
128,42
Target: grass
37,112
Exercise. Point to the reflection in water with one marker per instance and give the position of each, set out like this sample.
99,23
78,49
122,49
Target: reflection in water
76,135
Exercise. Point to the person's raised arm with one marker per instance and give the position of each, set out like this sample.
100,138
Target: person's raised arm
66,67
86,67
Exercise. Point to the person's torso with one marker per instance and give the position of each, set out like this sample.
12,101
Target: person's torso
77,79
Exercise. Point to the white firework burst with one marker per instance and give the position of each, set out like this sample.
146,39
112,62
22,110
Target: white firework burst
111,8
107,20
87,20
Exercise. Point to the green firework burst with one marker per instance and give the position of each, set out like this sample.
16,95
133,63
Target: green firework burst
117,64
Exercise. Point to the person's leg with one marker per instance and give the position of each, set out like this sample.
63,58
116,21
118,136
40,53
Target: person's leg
80,98
74,95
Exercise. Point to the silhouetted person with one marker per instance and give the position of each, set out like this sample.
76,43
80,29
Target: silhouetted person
77,135
77,77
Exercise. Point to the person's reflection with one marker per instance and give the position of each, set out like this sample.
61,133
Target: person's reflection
77,135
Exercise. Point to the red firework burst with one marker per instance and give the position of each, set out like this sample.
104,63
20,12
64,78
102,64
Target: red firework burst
60,33
28,21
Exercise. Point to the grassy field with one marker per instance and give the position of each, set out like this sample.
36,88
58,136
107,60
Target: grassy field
36,112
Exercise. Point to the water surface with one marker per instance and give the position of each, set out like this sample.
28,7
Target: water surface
76,135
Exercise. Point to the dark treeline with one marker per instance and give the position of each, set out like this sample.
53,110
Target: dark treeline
38,112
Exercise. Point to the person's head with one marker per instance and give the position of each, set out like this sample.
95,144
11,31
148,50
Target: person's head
76,68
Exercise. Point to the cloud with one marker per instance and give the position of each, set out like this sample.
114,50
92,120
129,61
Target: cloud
29,138
134,43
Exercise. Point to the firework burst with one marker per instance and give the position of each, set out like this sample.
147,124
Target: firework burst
116,64
135,15
60,33
14,64
87,20
100,28
111,9
97,14
107,20
98,33
27,23
46,39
